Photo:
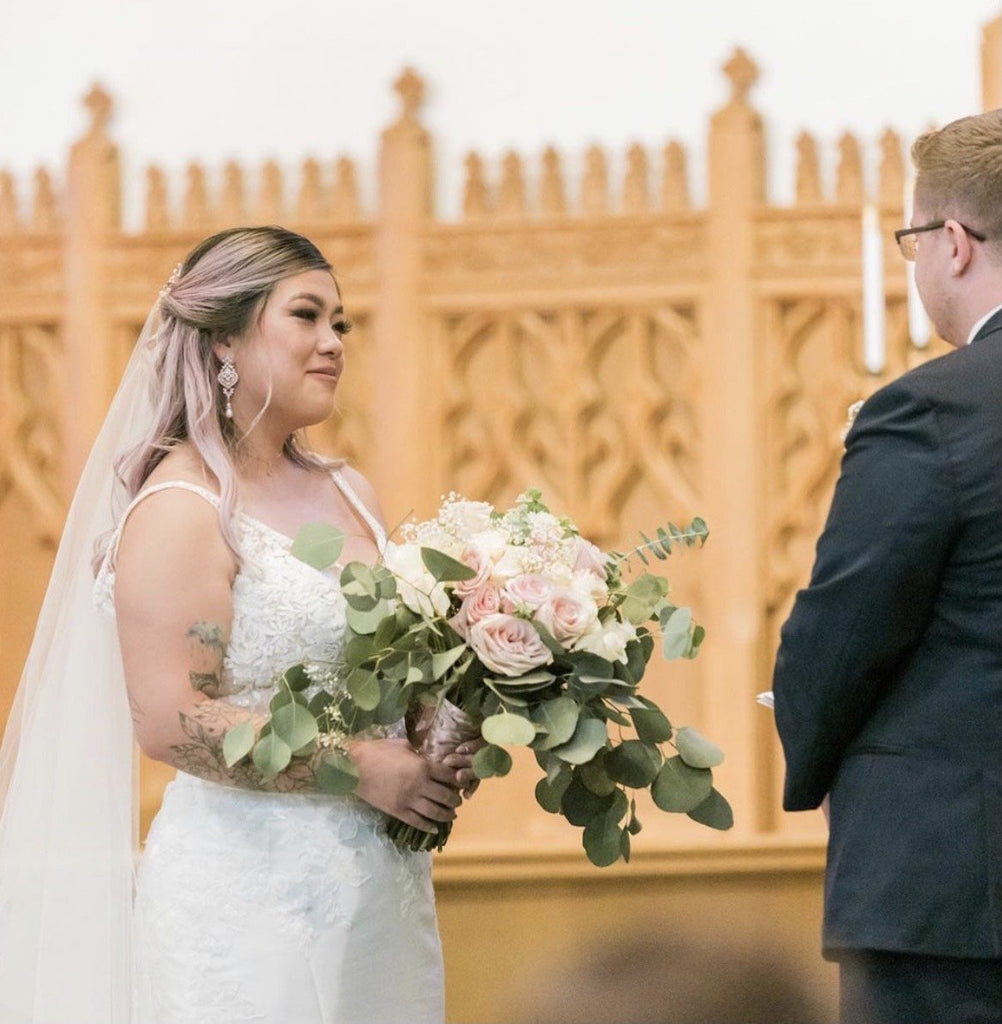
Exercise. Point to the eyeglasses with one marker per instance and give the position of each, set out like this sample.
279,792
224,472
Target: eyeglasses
908,243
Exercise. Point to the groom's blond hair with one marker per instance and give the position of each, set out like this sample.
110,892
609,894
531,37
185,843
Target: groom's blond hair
959,174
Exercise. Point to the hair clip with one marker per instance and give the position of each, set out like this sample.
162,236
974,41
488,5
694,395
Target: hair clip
171,281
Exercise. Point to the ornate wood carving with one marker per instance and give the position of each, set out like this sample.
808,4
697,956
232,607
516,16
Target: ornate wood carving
31,386
674,179
635,191
551,188
808,170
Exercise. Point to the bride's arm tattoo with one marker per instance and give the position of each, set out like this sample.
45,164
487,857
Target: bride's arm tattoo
204,726
209,650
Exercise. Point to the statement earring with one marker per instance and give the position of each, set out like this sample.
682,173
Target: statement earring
228,378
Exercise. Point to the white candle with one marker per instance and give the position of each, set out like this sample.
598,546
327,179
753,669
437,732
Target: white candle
873,290
918,321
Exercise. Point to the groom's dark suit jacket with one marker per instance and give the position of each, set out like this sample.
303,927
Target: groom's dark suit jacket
888,682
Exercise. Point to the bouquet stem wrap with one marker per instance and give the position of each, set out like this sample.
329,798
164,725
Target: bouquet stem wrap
436,730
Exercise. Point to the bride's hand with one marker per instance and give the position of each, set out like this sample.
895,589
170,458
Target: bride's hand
394,778
461,763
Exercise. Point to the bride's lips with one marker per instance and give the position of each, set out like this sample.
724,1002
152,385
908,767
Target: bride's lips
325,372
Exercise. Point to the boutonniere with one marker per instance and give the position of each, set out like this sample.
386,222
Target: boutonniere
850,418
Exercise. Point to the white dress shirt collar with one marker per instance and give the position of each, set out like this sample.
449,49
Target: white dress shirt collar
981,323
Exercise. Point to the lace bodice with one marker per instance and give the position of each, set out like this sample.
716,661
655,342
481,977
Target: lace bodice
284,611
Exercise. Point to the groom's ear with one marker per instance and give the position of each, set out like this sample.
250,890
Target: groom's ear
962,250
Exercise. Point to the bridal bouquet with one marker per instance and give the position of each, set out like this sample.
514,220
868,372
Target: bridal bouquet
510,626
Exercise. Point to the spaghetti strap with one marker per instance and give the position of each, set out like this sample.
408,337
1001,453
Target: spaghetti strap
378,533
166,485
104,582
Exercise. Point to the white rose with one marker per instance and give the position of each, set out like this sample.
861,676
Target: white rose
508,645
568,615
416,587
609,640
526,592
470,517
589,584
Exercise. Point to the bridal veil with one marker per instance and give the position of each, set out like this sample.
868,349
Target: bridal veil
69,772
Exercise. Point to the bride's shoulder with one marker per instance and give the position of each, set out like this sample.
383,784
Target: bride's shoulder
177,503
182,464
361,487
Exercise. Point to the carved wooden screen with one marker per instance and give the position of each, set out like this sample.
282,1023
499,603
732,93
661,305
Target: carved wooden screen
636,357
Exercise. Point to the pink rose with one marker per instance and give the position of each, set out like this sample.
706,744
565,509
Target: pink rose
568,615
480,554
589,558
486,601
508,645
527,591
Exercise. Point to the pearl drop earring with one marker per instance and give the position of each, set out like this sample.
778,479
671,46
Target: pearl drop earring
228,378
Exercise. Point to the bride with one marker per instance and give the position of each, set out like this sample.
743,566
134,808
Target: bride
253,901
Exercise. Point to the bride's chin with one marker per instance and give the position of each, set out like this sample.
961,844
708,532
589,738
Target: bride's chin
315,413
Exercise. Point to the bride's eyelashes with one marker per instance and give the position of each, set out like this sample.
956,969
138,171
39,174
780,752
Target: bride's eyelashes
341,326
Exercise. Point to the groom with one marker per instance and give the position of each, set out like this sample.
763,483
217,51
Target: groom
888,681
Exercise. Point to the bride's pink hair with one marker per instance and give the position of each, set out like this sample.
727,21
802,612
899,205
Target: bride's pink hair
222,286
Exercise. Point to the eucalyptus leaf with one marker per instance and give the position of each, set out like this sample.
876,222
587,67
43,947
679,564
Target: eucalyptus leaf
359,578
584,663
714,811
271,755
624,844
679,788
579,804
508,729
557,719
595,777
634,763
549,640
295,677
676,633
442,661
445,569
550,792
364,689
506,696
359,649
279,698
294,724
527,683
490,761
698,636
696,750
601,841
642,597
590,735
635,660
610,714
651,724
318,545
361,602
319,703
238,743
336,774
366,622
386,632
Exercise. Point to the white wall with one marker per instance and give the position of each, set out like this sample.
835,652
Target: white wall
215,79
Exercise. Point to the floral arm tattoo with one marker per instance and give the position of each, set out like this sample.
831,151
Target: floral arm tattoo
200,751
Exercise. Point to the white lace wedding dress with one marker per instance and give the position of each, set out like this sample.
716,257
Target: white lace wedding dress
281,908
